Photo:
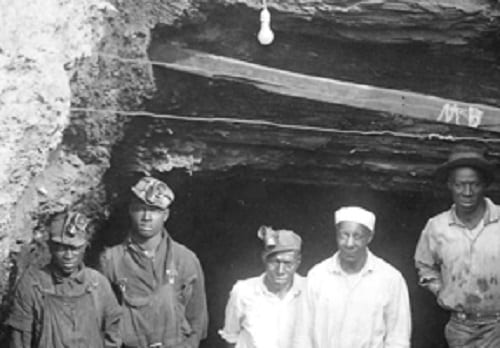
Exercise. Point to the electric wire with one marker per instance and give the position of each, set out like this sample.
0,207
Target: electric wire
260,122
288,126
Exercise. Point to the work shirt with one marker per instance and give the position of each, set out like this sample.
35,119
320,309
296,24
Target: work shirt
163,296
58,312
258,318
368,310
465,263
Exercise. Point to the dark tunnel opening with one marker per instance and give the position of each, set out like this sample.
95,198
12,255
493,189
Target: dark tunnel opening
240,176
217,215
239,185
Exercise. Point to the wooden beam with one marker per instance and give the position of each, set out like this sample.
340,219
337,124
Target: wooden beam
327,90
284,155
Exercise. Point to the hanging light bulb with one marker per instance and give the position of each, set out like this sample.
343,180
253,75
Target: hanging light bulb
265,35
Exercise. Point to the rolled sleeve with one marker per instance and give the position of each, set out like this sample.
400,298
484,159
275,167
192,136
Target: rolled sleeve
22,315
426,261
111,318
398,317
302,337
196,305
20,339
232,319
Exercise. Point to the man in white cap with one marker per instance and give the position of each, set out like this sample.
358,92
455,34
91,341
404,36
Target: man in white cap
261,311
355,299
458,254
159,282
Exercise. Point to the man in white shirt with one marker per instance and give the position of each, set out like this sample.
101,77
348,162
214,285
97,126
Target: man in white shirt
261,311
355,299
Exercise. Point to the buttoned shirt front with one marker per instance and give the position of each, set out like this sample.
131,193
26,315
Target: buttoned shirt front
466,264
370,310
257,318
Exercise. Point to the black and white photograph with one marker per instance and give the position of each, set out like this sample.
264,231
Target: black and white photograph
250,174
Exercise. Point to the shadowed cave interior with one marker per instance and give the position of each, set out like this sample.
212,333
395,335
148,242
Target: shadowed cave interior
217,215
230,178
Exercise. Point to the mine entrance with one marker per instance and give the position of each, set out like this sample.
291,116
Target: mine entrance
230,177
244,141
217,215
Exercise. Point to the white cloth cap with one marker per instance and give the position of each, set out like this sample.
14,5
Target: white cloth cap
356,214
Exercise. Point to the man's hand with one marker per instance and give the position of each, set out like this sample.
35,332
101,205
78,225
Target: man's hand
432,284
434,287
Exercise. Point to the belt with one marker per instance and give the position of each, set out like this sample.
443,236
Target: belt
476,316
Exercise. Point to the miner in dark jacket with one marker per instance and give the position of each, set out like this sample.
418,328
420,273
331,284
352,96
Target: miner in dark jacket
159,282
65,304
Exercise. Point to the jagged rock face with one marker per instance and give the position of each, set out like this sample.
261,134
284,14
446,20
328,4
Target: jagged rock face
38,41
46,59
397,163
50,60
53,157
443,21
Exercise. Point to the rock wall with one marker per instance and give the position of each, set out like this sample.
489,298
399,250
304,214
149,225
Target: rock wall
52,156
39,43
389,21
51,62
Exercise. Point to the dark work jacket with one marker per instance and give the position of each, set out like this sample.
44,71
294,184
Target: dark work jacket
77,311
163,297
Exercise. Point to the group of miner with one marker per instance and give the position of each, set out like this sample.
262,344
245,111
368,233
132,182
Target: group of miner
149,291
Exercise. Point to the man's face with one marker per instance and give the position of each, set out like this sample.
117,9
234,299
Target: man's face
147,221
280,268
467,188
67,258
352,241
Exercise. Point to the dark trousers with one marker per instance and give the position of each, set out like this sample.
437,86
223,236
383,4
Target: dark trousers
473,333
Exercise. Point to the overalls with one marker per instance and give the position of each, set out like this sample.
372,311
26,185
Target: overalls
155,320
68,321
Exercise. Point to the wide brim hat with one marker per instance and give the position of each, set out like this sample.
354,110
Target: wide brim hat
466,157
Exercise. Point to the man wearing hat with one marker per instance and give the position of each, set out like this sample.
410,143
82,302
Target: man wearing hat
65,304
261,311
355,299
458,253
159,282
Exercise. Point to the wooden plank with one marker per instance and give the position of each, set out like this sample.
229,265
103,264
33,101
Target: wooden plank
327,90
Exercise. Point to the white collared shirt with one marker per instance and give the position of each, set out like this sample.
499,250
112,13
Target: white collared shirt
368,311
257,318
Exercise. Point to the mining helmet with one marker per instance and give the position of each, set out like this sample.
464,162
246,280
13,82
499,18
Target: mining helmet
153,192
69,228
278,240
